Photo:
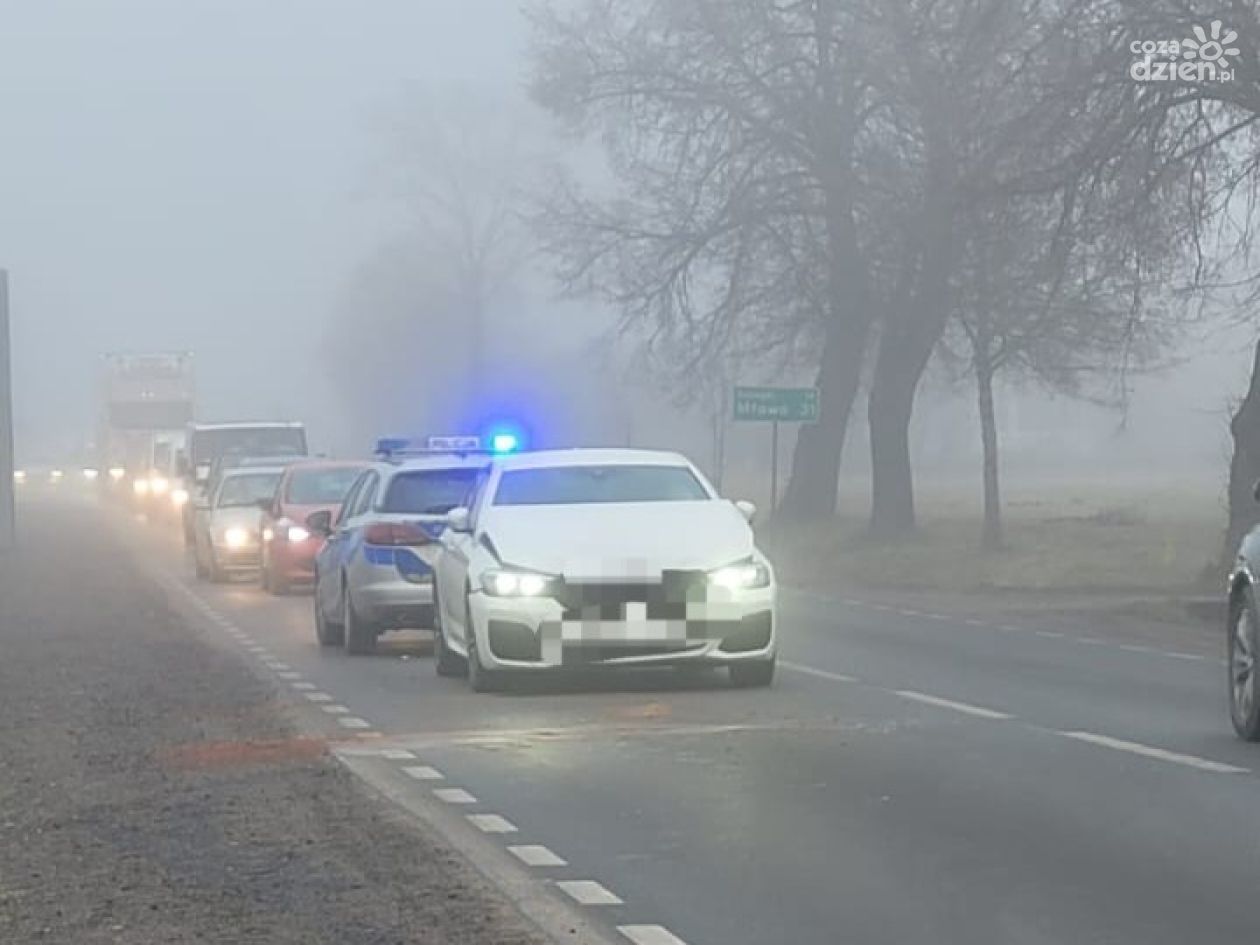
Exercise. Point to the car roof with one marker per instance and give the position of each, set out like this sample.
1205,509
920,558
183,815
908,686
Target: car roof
304,463
249,425
236,472
591,456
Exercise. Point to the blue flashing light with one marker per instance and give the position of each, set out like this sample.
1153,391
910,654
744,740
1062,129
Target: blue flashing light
504,443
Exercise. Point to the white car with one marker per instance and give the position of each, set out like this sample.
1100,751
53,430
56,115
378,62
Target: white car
601,558
227,523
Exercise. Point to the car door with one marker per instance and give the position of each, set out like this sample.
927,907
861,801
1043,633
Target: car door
453,567
353,562
328,561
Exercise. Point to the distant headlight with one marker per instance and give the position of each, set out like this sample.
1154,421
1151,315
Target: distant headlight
19,475
159,485
116,473
297,533
236,537
179,498
56,475
515,584
741,577
140,487
90,474
268,534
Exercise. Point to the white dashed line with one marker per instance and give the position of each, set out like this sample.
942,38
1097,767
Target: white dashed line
973,622
353,721
536,855
1185,656
1091,641
812,671
650,935
911,613
963,707
319,697
936,616
1159,754
1008,628
303,686
335,709
1049,634
454,795
281,666
289,675
1134,648
491,823
396,754
423,773
587,892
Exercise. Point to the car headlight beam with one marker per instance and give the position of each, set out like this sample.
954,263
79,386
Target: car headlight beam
741,577
236,537
296,534
515,584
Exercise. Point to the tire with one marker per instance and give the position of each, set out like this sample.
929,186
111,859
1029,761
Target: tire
326,632
446,662
750,675
360,634
1244,647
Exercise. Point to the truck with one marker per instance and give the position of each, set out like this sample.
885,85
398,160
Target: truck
147,401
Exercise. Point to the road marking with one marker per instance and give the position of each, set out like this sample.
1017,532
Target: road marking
289,675
587,892
965,708
353,721
424,773
1008,628
936,616
1091,641
454,795
1049,634
303,686
536,855
911,613
319,697
973,622
1160,754
281,666
396,754
812,671
491,823
335,709
1185,656
650,935
1134,648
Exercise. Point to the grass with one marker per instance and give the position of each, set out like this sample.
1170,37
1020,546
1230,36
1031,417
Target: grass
1084,537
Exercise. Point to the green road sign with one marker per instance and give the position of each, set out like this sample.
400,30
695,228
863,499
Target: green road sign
788,404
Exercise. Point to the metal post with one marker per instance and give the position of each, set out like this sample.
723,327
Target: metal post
774,467
8,536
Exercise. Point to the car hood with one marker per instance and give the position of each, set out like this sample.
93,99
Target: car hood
616,541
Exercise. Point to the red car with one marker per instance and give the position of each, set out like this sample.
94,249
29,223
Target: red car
288,548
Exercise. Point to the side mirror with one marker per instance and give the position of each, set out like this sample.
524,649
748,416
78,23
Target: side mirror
457,519
319,523
746,509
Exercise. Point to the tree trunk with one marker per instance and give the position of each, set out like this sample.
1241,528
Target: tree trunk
991,536
1244,468
811,490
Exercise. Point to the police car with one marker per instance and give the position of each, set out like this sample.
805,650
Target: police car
375,570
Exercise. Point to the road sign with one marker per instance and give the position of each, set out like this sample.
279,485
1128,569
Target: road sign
786,404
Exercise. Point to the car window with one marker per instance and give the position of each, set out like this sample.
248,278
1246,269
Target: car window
428,491
351,498
586,485
327,486
367,491
241,491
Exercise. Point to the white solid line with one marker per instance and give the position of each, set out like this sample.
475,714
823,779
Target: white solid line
536,855
650,935
491,823
289,675
965,708
335,709
1184,656
396,754
353,721
423,773
1159,754
811,671
303,686
454,795
587,892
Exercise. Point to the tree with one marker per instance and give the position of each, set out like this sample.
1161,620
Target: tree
736,216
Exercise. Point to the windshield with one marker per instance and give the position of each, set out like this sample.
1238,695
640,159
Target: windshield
585,485
239,491
428,491
208,445
321,486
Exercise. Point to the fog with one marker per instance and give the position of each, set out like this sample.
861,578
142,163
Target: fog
223,178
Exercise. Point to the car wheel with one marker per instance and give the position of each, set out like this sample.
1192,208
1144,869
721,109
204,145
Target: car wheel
446,662
360,633
1244,646
748,675
328,633
480,679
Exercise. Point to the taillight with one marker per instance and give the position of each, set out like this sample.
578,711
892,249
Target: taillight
395,533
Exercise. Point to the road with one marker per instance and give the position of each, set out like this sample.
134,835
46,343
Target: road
910,777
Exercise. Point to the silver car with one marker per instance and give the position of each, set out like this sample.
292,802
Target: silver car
227,523
375,571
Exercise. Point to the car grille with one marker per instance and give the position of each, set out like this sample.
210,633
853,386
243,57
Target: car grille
602,600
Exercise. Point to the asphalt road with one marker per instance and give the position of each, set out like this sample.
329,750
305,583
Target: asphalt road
909,778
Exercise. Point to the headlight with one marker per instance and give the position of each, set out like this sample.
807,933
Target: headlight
56,475
236,538
179,498
515,584
19,475
159,485
90,474
741,577
116,473
140,487
268,534
297,533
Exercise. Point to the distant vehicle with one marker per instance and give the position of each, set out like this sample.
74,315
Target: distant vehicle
227,527
1244,636
601,558
206,442
375,571
288,546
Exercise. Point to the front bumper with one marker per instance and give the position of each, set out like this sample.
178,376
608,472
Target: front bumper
293,561
238,558
531,634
